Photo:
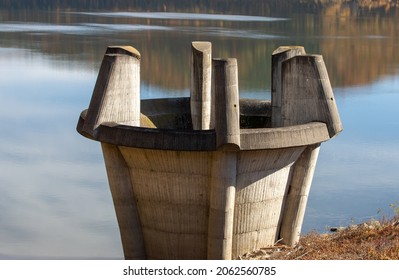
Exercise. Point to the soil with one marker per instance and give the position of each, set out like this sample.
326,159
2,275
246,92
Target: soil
375,240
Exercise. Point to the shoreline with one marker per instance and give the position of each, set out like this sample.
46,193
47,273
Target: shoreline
374,240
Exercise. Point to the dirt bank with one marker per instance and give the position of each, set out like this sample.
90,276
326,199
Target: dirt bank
375,240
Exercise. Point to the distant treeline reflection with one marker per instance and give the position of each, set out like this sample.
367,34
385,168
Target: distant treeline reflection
231,6
352,55
253,7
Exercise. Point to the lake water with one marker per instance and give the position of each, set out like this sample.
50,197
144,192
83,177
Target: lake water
54,197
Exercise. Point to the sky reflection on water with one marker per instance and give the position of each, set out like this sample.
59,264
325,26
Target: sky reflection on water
101,28
357,173
52,183
185,16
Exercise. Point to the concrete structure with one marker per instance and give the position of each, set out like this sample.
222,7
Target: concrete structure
212,176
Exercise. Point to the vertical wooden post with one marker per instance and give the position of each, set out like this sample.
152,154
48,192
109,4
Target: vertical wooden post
279,55
200,89
297,196
227,110
124,203
222,201
116,95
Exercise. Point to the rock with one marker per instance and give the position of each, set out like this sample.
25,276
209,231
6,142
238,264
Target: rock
353,227
364,226
374,224
337,229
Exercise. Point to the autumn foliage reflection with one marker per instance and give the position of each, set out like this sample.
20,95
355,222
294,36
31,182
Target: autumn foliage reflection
358,44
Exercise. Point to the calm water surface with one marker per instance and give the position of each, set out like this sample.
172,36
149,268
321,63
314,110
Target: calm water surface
54,195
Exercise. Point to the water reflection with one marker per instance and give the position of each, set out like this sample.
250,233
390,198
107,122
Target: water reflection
357,48
186,16
55,200
81,29
48,199
356,177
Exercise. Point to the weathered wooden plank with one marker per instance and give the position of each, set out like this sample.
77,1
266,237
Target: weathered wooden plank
116,95
227,111
307,95
297,196
279,55
124,203
200,86
221,205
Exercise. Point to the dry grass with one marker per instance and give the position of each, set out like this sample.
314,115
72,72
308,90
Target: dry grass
375,240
